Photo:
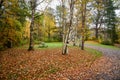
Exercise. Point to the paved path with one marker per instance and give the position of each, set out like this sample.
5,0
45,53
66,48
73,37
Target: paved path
109,66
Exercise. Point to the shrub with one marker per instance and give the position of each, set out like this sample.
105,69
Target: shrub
107,42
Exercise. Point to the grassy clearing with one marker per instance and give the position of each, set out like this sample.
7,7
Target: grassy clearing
50,45
101,45
54,44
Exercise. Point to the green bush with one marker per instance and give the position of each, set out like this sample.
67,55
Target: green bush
107,42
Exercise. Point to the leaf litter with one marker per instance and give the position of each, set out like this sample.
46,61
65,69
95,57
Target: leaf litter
48,64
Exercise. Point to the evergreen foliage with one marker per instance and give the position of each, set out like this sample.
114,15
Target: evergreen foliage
110,20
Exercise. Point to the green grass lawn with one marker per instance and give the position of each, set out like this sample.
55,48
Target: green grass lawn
101,45
51,45
54,44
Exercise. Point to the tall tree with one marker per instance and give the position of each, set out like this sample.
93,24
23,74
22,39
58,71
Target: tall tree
63,15
71,6
98,13
83,15
33,6
110,20
50,24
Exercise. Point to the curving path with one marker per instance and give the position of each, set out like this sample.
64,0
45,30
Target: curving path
108,67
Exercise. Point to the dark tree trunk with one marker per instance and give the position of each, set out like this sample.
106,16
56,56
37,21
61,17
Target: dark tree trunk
96,25
82,45
83,23
31,43
49,36
75,36
96,32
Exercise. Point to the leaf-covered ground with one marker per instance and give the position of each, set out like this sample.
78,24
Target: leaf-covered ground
48,64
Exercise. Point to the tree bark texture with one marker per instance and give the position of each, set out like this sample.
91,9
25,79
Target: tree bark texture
31,43
65,46
83,23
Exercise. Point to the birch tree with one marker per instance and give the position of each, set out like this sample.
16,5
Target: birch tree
63,15
33,5
65,47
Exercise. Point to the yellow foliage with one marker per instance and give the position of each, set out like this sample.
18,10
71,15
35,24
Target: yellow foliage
49,24
26,29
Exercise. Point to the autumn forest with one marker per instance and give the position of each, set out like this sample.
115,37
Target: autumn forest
59,39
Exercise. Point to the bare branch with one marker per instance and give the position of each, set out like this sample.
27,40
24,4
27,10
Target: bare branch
40,3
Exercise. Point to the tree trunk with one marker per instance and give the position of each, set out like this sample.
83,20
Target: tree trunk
96,32
49,36
65,47
82,46
75,37
83,23
31,44
99,19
